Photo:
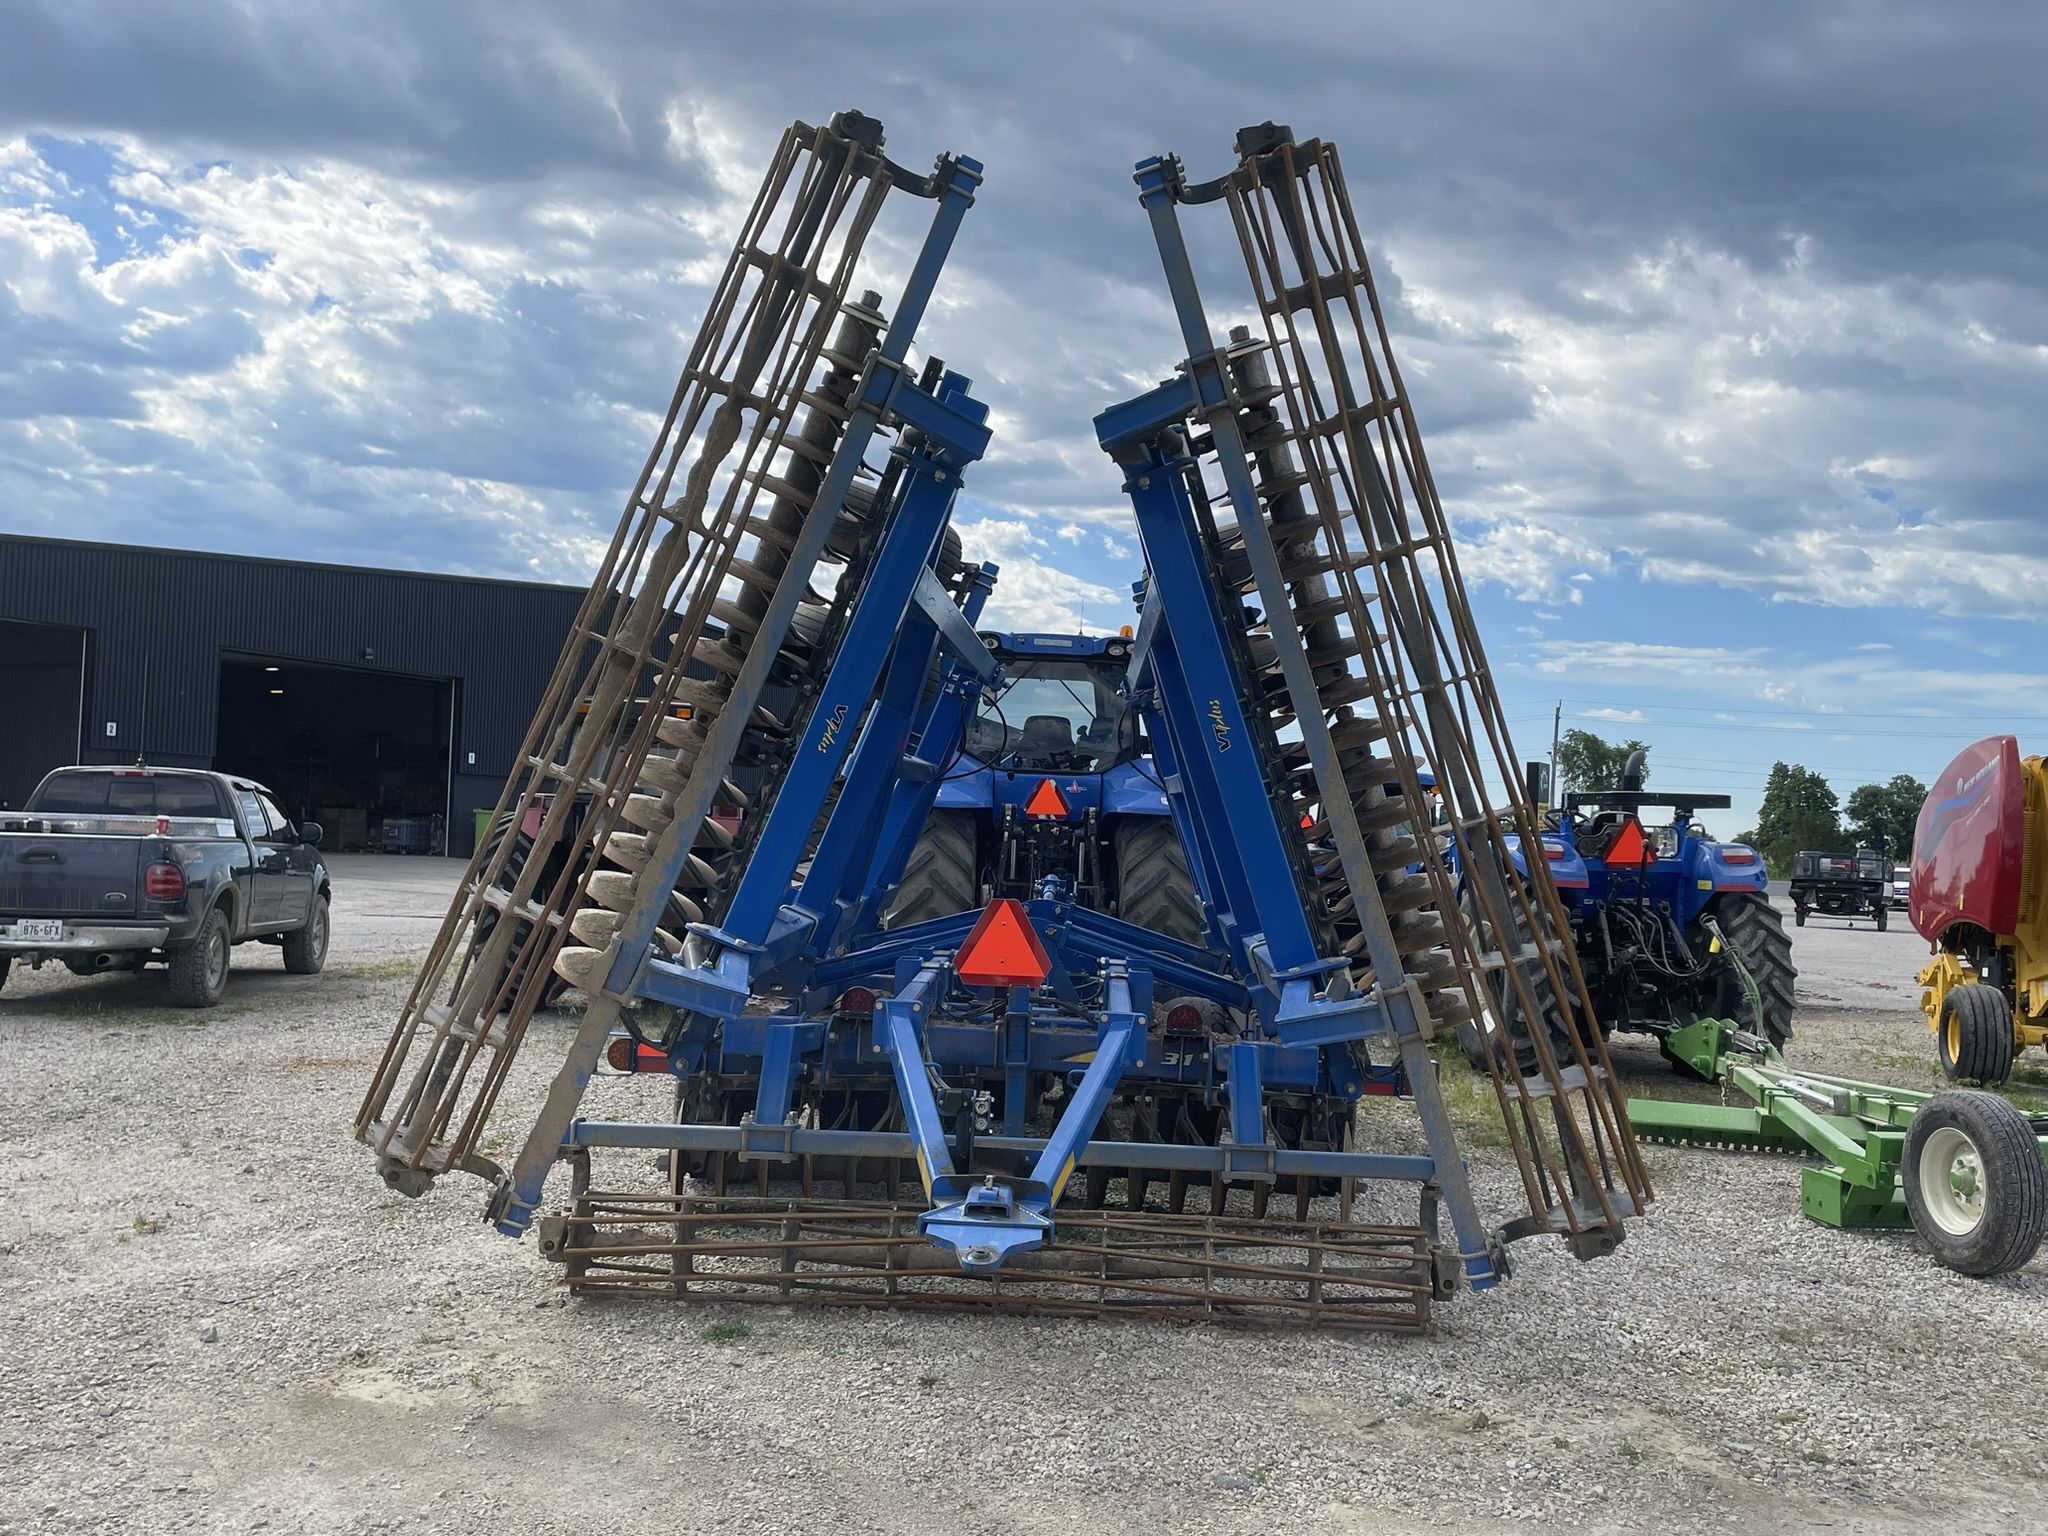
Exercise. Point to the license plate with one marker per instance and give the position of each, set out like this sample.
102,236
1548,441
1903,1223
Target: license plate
46,930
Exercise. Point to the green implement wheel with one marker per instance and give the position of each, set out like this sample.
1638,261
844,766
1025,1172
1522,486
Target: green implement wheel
1974,1039
1975,1184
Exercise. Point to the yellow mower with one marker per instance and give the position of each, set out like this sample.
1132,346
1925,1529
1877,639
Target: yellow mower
1980,897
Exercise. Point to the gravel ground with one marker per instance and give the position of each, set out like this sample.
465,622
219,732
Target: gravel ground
216,1319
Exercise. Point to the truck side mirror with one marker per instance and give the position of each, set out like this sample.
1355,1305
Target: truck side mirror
310,833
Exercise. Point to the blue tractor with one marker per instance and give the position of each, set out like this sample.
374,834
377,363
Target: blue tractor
1054,781
1671,925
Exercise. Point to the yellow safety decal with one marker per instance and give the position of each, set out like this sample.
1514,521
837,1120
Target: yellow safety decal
1706,885
1060,1183
1084,1058
924,1173
1713,946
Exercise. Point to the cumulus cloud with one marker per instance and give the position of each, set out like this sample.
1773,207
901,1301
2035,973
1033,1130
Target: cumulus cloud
1748,298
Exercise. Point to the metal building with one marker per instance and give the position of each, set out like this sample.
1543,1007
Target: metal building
386,705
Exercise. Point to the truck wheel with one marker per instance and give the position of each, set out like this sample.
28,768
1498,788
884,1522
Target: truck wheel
1975,1039
1880,915
306,950
1799,917
199,970
939,879
1975,1184
1757,932
1153,886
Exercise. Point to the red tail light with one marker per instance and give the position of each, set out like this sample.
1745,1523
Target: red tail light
857,1000
164,882
1184,1020
1737,856
619,1054
1553,850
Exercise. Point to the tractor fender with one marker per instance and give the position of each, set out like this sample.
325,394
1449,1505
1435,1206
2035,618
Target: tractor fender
967,788
1133,789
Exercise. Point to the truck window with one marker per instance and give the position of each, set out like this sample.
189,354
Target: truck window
124,792
252,814
280,824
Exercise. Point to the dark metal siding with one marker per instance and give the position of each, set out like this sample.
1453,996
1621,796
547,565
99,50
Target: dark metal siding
159,619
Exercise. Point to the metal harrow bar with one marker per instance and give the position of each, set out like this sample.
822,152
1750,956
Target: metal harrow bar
1216,1269
626,756
1381,677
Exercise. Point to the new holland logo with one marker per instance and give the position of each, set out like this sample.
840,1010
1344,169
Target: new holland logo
831,732
1218,726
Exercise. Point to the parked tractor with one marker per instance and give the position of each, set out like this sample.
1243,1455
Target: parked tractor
1054,781
1845,885
1655,911
1980,897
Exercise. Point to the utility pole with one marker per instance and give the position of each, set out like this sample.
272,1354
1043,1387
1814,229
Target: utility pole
1556,719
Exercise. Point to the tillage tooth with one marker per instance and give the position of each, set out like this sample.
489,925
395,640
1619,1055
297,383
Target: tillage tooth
628,850
1343,690
652,813
614,889
580,967
696,875
1351,730
716,833
1406,891
1417,931
1377,810
666,775
594,926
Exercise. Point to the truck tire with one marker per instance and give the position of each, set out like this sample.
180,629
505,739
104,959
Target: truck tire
1752,925
305,950
940,877
1975,1184
1153,886
199,970
1879,911
6,964
1974,1038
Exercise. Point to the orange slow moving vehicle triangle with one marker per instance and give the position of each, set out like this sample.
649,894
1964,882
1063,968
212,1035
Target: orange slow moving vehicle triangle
1003,950
1046,800
1629,846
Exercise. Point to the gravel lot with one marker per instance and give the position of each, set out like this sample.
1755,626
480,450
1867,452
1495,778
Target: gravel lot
214,1318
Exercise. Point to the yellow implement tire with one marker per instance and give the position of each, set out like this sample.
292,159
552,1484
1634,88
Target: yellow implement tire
1974,1035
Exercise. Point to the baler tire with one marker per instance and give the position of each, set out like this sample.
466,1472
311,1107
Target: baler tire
1153,887
1975,1037
1754,927
2008,1186
940,877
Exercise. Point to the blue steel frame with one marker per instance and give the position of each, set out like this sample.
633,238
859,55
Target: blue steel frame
808,941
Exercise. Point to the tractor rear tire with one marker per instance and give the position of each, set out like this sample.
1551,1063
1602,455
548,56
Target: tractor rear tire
1974,1038
1154,888
1753,926
1975,1184
1477,1039
940,877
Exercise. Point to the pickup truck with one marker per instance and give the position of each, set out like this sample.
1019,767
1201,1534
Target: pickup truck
113,868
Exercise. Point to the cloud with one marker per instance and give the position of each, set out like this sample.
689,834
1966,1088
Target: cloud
1619,716
1749,299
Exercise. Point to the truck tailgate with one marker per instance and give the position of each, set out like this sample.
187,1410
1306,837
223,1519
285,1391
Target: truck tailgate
42,875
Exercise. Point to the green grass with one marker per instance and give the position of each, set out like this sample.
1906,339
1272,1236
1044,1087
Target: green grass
1632,1454
1469,1096
730,1331
402,969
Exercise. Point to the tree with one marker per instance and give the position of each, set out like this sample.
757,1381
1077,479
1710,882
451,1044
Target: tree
1799,811
1586,762
1882,816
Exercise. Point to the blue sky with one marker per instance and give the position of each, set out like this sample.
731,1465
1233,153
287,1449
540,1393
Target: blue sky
1727,328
